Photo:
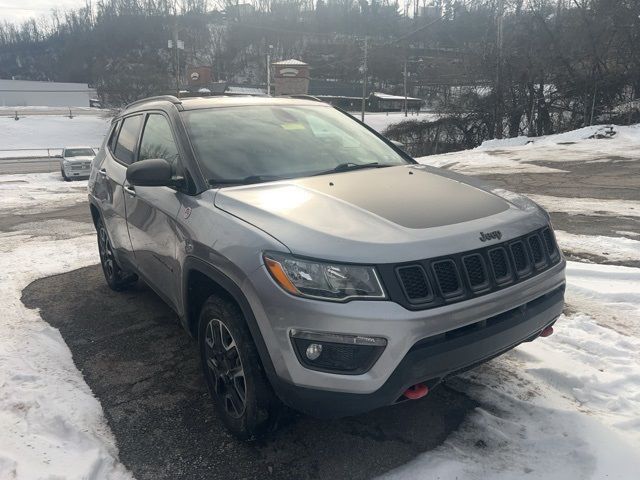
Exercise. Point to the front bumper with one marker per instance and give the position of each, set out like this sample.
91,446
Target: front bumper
277,313
435,358
76,171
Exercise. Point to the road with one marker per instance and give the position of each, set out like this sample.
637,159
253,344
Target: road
28,165
144,368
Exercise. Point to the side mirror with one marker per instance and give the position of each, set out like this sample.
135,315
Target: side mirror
397,143
154,172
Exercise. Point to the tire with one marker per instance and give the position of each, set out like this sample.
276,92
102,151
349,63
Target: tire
64,176
117,279
241,393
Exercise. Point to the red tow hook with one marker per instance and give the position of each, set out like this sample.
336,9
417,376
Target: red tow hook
417,391
548,331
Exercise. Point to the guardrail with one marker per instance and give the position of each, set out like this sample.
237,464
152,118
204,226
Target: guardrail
70,112
51,155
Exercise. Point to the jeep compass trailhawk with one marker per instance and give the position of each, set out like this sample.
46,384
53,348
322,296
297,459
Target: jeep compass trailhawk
317,264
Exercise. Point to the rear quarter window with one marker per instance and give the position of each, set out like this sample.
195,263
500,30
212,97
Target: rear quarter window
128,139
113,137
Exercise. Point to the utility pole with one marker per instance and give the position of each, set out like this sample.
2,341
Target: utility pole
364,79
177,57
498,92
405,86
177,45
269,70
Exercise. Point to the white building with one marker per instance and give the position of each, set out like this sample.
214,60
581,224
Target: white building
25,93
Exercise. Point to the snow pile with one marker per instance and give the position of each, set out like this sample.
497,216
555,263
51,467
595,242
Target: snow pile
615,249
524,155
477,162
588,206
611,293
52,426
35,192
42,132
572,136
558,408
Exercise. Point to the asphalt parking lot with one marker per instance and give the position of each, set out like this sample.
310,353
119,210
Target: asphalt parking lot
144,368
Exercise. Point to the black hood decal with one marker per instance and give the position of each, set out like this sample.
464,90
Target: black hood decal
408,196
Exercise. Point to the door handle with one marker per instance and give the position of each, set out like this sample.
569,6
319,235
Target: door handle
130,190
103,172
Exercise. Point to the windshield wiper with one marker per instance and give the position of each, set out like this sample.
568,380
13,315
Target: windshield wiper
346,167
244,181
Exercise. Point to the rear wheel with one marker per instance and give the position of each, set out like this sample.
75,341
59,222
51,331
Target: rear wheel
116,277
236,380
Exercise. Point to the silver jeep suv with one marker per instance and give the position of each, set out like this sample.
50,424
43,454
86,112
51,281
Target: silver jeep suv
317,264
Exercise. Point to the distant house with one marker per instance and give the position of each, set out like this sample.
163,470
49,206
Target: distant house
383,102
26,93
348,96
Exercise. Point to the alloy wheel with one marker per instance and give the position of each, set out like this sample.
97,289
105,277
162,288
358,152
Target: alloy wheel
106,254
225,368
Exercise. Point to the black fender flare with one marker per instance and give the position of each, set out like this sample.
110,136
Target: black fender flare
193,264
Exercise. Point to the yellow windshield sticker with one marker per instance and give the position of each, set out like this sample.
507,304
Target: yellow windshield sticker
292,126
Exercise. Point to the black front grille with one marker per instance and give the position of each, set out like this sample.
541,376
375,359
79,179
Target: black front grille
537,253
520,258
550,243
415,284
500,265
447,278
476,272
434,282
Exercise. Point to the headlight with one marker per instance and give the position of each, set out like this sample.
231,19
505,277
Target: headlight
327,281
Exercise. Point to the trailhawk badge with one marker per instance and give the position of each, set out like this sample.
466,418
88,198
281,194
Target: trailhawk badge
495,235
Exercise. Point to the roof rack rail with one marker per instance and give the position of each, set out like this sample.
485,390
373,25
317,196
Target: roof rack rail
169,98
306,97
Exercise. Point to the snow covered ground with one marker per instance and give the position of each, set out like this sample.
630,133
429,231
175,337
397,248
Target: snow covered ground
39,191
37,133
52,426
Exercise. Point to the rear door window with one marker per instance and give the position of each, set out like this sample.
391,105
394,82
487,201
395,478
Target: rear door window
127,139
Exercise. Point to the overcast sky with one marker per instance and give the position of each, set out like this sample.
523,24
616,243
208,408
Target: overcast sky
19,10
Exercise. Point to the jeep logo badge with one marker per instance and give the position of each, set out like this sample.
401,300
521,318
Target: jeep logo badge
495,235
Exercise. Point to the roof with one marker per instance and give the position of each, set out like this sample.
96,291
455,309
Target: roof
34,85
291,61
386,96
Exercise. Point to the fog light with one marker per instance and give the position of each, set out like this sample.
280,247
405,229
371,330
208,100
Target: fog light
313,351
336,353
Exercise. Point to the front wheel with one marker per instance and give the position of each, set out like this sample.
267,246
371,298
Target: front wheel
116,277
236,380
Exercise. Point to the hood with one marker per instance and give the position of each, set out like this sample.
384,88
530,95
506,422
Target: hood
393,213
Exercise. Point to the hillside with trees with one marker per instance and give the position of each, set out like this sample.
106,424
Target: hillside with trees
494,67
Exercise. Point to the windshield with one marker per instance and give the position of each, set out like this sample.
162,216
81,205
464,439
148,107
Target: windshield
79,152
267,142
